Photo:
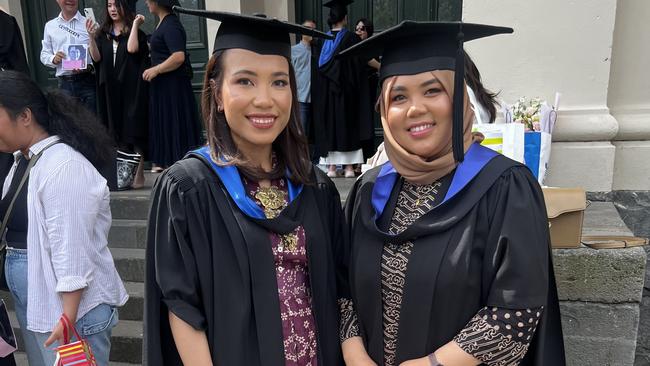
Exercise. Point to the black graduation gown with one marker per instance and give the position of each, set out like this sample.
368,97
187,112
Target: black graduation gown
12,50
213,267
488,245
340,102
122,93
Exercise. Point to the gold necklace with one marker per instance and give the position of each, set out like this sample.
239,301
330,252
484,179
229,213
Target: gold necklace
274,200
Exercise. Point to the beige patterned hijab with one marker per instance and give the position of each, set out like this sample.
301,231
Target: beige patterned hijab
426,170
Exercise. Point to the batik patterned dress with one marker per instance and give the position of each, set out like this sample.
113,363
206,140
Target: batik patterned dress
292,273
495,336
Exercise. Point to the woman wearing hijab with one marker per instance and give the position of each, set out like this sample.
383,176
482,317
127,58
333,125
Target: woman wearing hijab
450,251
246,253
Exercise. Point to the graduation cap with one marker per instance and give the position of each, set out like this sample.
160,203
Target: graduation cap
333,3
411,48
257,33
339,7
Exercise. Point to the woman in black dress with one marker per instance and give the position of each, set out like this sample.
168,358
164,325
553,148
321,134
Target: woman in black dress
173,120
120,53
450,259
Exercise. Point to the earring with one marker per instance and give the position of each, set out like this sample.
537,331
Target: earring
219,109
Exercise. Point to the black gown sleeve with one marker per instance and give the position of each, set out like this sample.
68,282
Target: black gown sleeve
143,46
517,254
516,268
175,267
17,54
349,325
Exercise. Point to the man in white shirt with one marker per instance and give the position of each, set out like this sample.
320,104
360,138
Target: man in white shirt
69,28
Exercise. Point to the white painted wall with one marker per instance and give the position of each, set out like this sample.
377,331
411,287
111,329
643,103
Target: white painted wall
563,46
220,5
629,95
629,87
558,45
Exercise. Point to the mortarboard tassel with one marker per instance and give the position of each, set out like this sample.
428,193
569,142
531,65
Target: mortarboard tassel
459,96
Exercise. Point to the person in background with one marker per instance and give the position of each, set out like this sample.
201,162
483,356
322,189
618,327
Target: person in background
69,28
301,59
120,53
173,119
364,28
58,262
450,249
486,101
342,112
12,49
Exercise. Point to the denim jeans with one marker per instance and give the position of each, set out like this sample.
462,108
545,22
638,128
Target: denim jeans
96,326
305,120
16,273
305,117
83,89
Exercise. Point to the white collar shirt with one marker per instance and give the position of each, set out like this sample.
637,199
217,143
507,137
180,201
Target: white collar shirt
69,216
60,33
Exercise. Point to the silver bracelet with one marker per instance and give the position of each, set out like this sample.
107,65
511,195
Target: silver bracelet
434,360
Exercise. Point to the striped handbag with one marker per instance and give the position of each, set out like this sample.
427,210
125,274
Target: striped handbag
76,353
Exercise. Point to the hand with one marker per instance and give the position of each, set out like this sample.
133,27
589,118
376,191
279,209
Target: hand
150,73
56,336
139,19
91,28
58,57
424,361
360,360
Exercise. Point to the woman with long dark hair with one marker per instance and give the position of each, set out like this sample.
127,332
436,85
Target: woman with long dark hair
60,220
450,259
486,100
173,120
246,255
120,53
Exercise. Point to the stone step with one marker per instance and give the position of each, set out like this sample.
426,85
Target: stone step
124,206
129,263
129,233
126,340
132,310
134,205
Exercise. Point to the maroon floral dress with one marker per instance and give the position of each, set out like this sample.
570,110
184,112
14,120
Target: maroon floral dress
292,273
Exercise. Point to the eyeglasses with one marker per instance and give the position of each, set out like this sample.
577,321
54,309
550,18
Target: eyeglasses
360,28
